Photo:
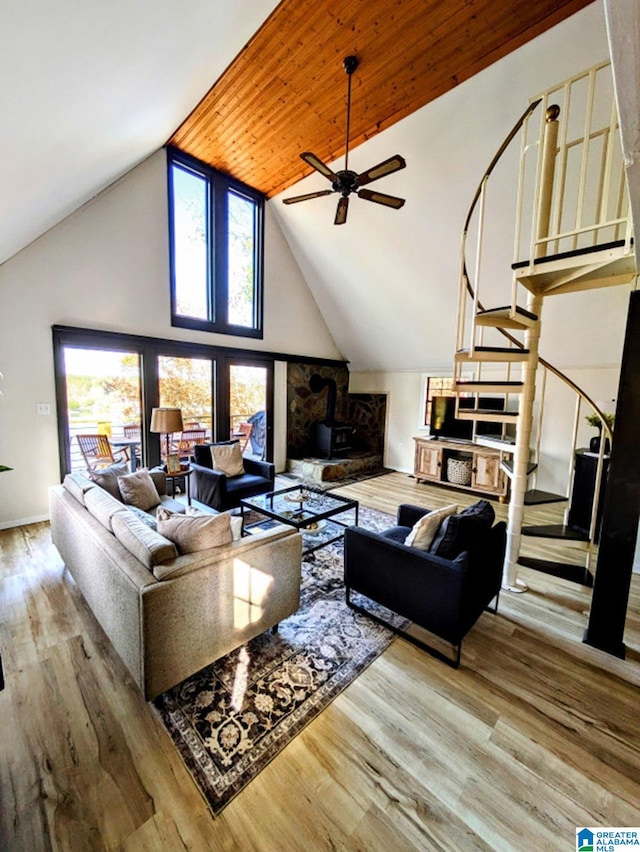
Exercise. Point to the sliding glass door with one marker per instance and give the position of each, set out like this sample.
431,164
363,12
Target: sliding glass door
108,385
249,404
103,399
187,384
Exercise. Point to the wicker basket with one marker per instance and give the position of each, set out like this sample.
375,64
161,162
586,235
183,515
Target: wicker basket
459,471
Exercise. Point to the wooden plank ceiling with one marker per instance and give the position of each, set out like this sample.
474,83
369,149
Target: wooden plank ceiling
285,92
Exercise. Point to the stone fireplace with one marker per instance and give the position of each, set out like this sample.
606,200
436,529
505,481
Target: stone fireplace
331,434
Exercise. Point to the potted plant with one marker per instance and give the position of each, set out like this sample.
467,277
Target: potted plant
594,420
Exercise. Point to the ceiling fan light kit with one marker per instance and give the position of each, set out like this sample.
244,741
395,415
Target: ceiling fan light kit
346,181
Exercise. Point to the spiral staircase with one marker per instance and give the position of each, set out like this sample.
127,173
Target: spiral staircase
573,232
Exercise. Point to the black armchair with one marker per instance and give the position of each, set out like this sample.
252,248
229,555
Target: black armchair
445,596
222,492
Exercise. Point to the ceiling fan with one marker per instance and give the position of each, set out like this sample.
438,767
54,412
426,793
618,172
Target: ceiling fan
345,181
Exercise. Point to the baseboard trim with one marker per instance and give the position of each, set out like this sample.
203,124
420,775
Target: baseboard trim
23,522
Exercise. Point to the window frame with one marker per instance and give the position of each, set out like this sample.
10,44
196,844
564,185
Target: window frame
149,348
219,186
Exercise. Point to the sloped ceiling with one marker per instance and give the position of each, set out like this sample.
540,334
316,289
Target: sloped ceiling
285,92
387,281
89,89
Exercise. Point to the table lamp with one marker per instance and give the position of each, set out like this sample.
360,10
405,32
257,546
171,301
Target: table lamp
166,421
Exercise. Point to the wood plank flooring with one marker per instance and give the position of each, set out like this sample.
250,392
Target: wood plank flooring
534,735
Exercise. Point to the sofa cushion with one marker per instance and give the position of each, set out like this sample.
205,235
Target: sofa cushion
159,477
192,533
146,544
227,458
169,503
248,485
107,478
138,489
102,506
77,485
463,531
426,528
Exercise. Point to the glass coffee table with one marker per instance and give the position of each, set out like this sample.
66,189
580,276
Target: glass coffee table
315,513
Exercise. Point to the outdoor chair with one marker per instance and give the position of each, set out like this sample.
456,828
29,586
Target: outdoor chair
97,451
188,440
132,433
132,430
242,434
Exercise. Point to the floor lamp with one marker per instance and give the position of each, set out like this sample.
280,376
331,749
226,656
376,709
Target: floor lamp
166,421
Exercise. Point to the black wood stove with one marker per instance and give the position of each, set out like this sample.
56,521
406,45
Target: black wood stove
329,437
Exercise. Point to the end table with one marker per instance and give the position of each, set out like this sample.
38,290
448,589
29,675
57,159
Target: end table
182,474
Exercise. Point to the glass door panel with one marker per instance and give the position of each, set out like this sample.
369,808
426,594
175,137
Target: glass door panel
103,398
248,408
187,384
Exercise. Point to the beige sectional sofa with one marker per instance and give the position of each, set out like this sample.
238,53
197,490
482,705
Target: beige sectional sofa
168,615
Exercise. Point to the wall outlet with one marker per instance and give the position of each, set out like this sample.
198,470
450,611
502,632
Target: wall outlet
43,408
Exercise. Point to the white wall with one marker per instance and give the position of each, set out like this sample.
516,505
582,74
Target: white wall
405,398
106,267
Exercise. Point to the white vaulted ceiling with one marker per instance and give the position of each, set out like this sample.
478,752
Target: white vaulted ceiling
89,89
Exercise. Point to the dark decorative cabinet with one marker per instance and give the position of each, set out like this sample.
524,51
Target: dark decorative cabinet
582,494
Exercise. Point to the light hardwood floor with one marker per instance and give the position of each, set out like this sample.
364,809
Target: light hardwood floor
534,735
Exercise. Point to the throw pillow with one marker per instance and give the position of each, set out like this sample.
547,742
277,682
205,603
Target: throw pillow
227,458
107,478
234,520
425,530
192,533
138,489
464,530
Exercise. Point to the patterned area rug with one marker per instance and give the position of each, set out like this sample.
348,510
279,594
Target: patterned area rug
234,716
292,479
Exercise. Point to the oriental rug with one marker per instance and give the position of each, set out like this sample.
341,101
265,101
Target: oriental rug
229,720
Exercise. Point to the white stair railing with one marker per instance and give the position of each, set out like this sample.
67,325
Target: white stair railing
575,199
589,199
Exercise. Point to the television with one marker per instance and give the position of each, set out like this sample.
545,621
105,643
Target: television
444,424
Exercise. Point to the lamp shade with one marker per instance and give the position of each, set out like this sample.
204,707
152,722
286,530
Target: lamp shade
166,420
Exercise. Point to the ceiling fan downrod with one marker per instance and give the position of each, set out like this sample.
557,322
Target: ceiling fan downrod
346,181
350,64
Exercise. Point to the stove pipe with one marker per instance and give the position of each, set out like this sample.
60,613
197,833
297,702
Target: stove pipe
317,383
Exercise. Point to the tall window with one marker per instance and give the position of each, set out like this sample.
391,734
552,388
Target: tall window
216,232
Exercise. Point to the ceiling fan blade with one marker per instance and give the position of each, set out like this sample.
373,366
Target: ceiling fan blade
317,164
296,198
381,198
341,211
388,167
